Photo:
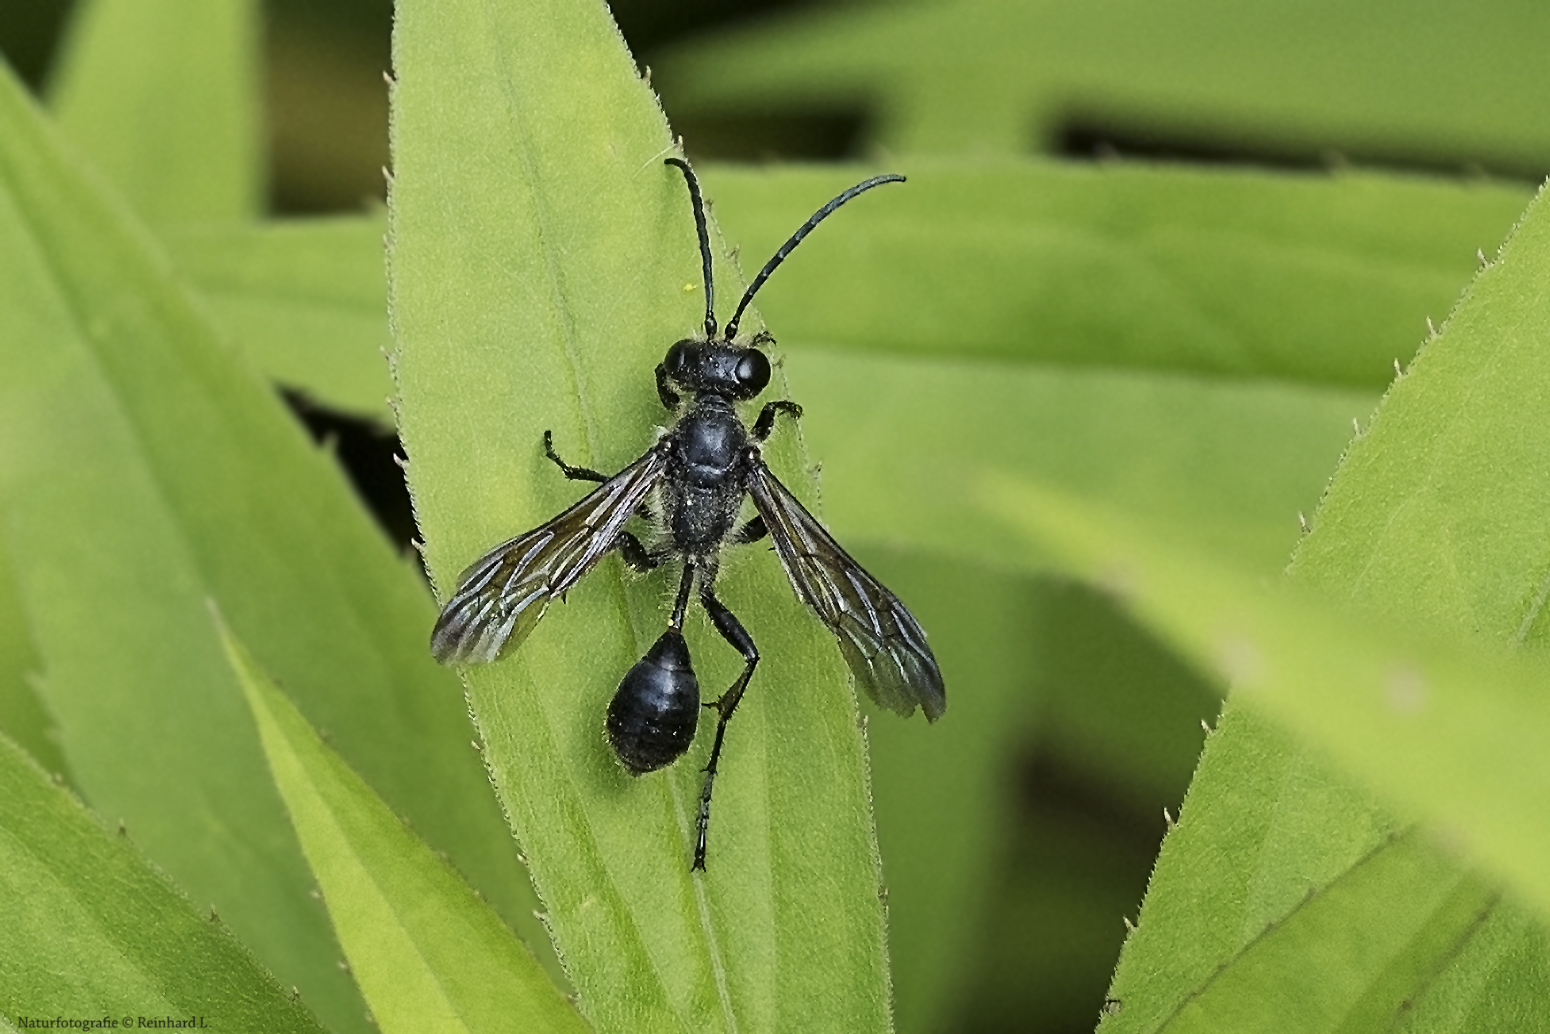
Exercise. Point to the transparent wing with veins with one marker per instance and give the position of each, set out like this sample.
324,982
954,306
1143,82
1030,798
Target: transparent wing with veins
880,639
501,596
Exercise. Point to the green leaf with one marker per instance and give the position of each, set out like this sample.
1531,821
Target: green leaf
904,444
1317,280
1435,518
1425,718
1002,76
428,953
542,259
144,468
1353,956
1419,715
23,716
306,299
926,447
939,789
1328,280
1417,712
1441,510
89,929
163,96
1269,827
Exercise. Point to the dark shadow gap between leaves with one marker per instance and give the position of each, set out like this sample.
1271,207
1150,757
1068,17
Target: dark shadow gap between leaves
1089,136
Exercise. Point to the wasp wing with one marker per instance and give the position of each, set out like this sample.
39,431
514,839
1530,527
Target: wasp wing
501,596
878,636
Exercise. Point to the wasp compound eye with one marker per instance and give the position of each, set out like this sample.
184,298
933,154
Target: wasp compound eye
652,718
753,372
677,360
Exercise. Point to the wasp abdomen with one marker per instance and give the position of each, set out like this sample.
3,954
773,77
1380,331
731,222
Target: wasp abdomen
652,718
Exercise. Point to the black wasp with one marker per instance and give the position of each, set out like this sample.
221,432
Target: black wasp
690,487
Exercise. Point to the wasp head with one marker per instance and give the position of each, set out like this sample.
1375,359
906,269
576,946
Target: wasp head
739,372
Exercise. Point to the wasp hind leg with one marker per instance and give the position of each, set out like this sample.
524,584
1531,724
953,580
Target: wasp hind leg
733,632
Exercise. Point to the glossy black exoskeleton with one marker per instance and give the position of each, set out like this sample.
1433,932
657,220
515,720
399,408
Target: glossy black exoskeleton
651,719
692,483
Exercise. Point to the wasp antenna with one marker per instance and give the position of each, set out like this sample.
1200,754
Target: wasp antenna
699,226
796,238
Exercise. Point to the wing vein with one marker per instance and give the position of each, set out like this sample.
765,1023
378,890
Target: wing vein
501,596
867,620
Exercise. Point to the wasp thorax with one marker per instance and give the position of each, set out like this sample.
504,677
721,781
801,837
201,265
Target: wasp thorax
719,367
653,715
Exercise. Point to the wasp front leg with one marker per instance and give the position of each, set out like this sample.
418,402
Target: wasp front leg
765,425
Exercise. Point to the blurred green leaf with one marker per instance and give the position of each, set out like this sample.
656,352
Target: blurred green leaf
163,96
1432,722
23,716
428,953
89,929
1416,712
306,299
542,258
1231,462
1117,738
1328,280
939,789
1323,279
904,442
1458,83
144,469
1421,717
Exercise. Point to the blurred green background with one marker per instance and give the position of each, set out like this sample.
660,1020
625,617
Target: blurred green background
1093,728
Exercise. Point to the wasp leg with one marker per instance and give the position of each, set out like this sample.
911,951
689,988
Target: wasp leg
588,474
753,531
668,396
574,473
765,425
733,632
681,604
635,555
